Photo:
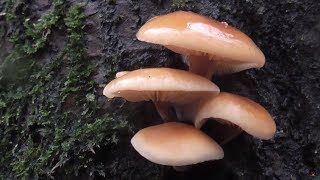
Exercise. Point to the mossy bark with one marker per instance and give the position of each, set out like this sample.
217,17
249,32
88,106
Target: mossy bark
56,56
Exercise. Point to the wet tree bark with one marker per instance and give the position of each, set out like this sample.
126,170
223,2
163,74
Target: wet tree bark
288,86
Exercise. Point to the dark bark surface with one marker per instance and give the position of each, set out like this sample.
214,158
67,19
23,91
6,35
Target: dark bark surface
288,86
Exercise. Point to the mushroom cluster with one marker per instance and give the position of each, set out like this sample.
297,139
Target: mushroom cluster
190,97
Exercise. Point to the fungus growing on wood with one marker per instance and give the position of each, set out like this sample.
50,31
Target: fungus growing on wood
176,144
164,86
236,110
210,46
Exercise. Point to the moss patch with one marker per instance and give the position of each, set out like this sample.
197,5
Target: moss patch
49,118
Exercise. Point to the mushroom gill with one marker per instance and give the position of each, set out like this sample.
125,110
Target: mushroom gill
163,86
208,47
243,112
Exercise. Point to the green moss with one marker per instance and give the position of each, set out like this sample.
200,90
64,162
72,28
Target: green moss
75,18
49,117
9,10
37,33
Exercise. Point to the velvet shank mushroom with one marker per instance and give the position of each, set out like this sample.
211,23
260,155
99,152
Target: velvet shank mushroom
236,110
164,86
210,46
176,144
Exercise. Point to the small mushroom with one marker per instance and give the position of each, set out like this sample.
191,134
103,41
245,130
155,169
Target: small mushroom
164,86
234,110
210,46
176,144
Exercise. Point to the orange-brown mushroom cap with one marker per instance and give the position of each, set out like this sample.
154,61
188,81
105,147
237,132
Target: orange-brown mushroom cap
160,84
241,111
176,144
191,34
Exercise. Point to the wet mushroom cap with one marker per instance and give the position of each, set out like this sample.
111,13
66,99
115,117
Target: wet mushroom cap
121,73
240,111
176,144
191,34
160,84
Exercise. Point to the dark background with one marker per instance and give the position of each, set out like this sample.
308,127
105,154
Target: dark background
288,86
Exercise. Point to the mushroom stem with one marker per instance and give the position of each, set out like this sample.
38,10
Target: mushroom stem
230,134
233,109
201,65
165,111
187,113
221,131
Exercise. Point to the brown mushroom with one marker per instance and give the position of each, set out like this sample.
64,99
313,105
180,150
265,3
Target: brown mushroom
164,86
234,110
210,46
176,144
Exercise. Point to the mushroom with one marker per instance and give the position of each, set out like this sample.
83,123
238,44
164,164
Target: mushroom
121,73
176,144
208,45
164,86
232,109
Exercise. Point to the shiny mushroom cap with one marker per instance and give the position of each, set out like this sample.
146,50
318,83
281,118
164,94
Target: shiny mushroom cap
176,144
121,73
241,111
160,84
202,38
